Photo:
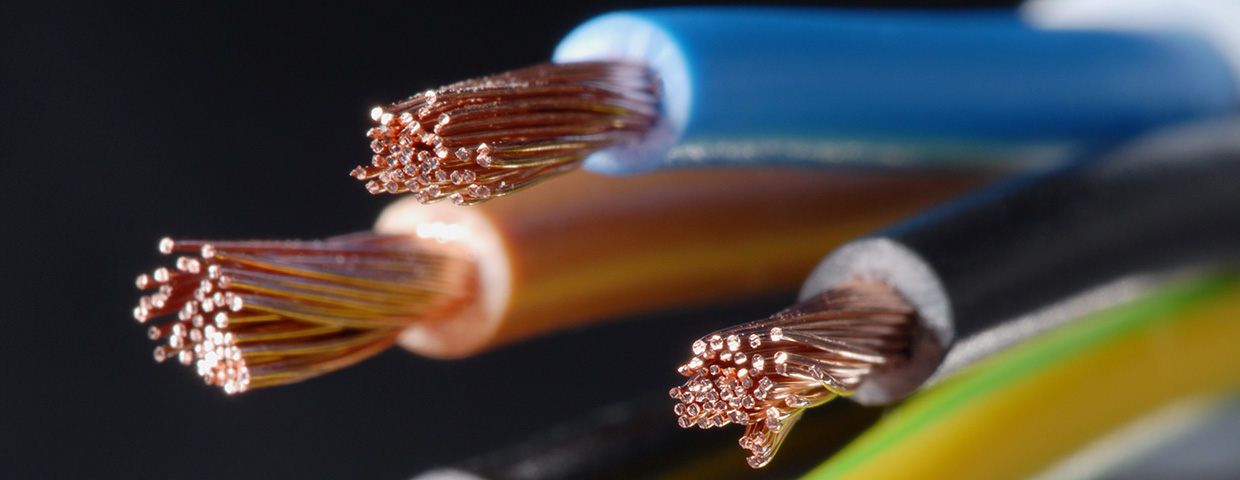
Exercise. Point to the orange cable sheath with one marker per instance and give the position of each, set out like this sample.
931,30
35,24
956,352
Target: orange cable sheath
583,248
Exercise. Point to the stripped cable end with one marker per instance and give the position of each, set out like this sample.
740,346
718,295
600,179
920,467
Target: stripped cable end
764,374
254,314
491,136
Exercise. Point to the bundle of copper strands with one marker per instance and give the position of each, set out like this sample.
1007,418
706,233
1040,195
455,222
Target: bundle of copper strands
491,136
764,374
253,314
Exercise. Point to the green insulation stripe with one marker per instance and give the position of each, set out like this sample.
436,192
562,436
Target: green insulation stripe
1000,371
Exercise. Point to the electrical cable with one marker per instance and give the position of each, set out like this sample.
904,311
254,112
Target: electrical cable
1015,414
884,314
636,91
1033,403
447,282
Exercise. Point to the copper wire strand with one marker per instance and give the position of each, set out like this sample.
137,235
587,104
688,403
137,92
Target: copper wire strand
253,314
489,137
764,374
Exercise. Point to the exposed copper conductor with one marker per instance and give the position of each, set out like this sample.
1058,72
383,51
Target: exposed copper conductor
491,136
254,314
765,374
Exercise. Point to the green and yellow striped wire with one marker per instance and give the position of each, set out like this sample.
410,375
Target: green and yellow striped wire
1019,412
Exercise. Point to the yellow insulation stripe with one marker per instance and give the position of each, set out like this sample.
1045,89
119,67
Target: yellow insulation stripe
1019,412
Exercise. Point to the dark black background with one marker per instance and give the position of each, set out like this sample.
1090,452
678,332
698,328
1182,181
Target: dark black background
121,124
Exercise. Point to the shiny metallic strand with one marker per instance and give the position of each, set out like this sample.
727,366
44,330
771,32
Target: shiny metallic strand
764,374
488,137
253,314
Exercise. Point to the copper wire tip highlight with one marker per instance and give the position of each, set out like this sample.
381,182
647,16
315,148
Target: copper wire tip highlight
253,314
764,374
491,136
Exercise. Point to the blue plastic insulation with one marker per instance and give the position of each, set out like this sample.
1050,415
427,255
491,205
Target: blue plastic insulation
755,85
